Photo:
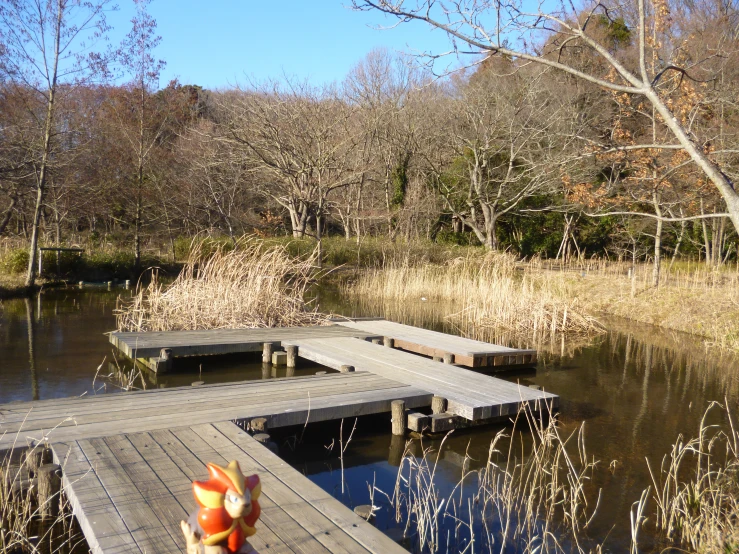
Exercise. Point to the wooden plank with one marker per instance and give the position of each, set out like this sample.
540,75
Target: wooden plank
218,341
22,409
195,401
365,534
471,395
148,532
104,529
274,513
280,413
468,352
315,523
178,468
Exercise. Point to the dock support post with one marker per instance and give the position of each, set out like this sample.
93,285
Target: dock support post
266,370
347,368
292,355
376,341
267,348
165,360
448,358
397,409
49,486
438,405
438,358
387,341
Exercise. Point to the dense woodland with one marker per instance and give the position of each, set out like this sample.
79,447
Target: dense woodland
502,152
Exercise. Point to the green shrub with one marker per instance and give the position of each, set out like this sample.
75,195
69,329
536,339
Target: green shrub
15,261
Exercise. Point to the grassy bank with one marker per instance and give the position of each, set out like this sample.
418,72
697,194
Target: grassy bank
690,298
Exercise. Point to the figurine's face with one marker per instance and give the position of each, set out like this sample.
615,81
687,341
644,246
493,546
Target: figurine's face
237,505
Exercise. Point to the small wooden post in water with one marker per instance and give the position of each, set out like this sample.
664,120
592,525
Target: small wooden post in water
292,355
267,352
448,358
438,405
387,341
397,448
376,341
397,409
49,485
347,368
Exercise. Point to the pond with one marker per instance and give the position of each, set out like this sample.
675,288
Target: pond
636,389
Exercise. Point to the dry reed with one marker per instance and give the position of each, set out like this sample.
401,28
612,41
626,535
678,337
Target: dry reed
696,491
491,293
529,500
691,297
21,529
247,286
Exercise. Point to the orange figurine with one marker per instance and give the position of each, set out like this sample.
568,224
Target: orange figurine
229,509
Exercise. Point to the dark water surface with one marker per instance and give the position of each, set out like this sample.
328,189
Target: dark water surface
636,389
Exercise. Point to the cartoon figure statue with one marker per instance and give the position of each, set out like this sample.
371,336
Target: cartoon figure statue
229,509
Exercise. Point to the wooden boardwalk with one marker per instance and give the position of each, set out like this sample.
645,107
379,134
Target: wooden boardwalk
130,492
219,341
129,459
470,395
286,401
466,352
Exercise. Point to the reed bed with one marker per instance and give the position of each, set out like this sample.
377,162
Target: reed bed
691,297
527,499
535,494
224,287
22,530
696,491
488,293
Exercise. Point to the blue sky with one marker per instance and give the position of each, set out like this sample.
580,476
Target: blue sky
216,43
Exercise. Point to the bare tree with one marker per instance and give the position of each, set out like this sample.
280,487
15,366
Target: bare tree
46,50
507,28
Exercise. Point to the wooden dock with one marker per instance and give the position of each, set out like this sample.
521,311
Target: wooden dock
129,459
470,395
458,350
284,402
130,491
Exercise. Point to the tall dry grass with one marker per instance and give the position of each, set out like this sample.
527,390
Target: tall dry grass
691,297
245,286
491,292
532,500
696,490
535,494
21,528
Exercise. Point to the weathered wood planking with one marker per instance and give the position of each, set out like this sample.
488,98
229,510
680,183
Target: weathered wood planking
130,491
470,395
288,401
219,341
467,352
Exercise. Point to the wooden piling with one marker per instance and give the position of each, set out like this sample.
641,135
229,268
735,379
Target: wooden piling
448,358
376,341
49,485
292,356
438,358
266,370
397,409
259,425
438,405
263,438
267,348
347,368
389,342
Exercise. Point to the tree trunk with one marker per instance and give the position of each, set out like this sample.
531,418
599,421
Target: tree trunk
8,213
43,167
657,241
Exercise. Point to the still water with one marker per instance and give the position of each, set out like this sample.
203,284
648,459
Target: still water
636,389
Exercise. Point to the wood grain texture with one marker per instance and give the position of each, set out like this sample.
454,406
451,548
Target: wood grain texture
219,341
467,352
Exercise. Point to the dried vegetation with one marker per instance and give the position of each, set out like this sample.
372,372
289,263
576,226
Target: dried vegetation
223,286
